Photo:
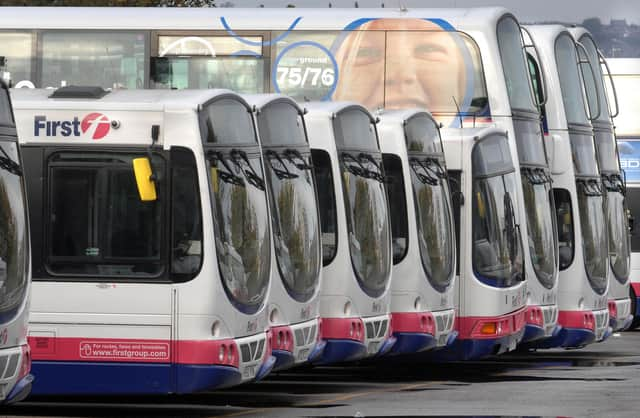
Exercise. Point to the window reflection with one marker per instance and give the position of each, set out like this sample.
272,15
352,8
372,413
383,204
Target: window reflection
564,216
619,244
594,237
107,59
327,204
13,230
98,224
497,246
242,74
15,57
242,232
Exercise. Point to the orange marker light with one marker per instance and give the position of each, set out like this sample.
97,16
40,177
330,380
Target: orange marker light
489,328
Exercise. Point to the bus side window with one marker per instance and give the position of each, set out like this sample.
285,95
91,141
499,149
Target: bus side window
397,206
534,71
457,201
633,203
564,215
186,228
327,202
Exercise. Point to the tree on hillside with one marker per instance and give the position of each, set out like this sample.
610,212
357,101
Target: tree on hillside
120,3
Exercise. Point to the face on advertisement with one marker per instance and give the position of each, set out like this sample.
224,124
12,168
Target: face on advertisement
417,64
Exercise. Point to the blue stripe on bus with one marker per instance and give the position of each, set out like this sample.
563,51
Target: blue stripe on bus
337,351
569,338
412,342
86,378
475,349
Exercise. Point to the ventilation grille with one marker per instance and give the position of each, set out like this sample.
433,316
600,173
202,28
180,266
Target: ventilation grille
9,365
601,319
252,351
444,322
550,315
305,336
377,329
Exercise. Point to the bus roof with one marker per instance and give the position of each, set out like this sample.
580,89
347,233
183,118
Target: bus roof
329,109
403,115
262,100
545,35
134,100
229,19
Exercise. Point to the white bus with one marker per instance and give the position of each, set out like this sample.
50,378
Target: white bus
490,243
466,66
578,191
602,93
15,263
294,303
355,295
422,231
159,288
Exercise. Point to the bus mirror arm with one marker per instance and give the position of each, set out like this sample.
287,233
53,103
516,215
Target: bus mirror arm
534,46
557,148
143,170
581,49
613,86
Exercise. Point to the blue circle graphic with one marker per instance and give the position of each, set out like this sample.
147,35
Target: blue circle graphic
274,69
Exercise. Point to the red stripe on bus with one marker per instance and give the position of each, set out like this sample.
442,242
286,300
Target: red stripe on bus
133,350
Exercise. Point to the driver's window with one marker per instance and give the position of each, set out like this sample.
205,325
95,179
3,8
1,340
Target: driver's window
186,253
536,79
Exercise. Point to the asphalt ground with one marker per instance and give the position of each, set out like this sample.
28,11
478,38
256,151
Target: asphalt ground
600,380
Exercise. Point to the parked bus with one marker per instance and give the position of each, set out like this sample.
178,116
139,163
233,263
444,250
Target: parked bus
151,240
355,294
466,66
626,76
577,189
620,316
490,242
422,231
15,263
293,305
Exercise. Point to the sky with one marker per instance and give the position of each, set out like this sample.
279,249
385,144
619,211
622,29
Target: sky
574,11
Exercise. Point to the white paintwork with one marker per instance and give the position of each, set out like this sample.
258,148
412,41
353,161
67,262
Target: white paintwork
618,290
175,311
411,282
284,310
13,329
574,291
475,298
339,282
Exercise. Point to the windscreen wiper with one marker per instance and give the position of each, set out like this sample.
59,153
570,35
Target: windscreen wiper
439,170
291,153
6,163
279,172
375,175
226,176
250,174
428,177
535,176
589,187
545,175
357,170
613,183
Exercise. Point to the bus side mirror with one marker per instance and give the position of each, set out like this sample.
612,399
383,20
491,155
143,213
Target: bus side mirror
144,179
559,148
